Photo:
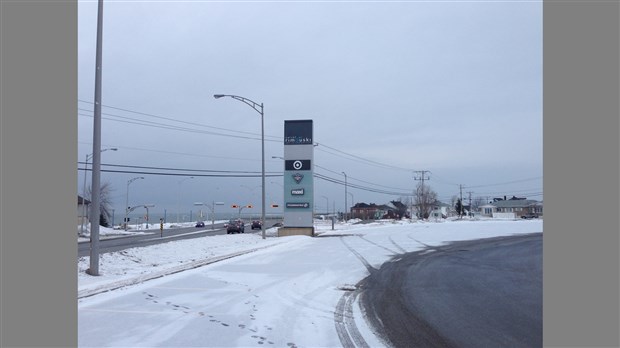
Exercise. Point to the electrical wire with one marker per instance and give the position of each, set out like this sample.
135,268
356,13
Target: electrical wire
253,136
338,153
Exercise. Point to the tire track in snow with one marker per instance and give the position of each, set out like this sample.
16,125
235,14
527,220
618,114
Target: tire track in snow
378,245
429,247
359,256
348,333
402,250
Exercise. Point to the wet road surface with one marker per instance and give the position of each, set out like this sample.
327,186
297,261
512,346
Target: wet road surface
483,293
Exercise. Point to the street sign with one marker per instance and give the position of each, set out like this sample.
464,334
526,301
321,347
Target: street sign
298,205
298,174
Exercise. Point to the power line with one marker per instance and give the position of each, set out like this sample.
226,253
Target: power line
365,160
275,139
221,175
321,147
180,169
176,153
506,183
177,128
227,174
366,182
363,188
174,120
139,122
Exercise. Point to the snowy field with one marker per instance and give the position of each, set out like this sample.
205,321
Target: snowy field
242,291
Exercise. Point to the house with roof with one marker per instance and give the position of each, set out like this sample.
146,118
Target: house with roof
440,211
372,211
512,208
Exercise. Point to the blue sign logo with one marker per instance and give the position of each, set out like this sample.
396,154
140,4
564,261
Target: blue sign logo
298,177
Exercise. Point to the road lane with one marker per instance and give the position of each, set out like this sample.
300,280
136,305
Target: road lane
152,237
485,293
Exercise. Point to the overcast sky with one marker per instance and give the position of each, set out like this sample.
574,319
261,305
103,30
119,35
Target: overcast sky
452,88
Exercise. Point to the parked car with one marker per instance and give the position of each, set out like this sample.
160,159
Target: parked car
200,224
235,226
529,216
256,224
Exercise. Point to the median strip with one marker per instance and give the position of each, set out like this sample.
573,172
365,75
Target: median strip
142,278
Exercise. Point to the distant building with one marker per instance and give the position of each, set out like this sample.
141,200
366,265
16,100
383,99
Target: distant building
514,207
82,210
440,211
372,211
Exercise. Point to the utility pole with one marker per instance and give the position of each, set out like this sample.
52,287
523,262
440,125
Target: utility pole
345,197
461,194
96,176
422,178
470,207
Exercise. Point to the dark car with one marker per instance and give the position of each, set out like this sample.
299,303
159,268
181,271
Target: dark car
235,226
530,216
256,224
200,224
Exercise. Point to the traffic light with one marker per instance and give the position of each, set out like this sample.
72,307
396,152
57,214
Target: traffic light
234,206
274,205
250,206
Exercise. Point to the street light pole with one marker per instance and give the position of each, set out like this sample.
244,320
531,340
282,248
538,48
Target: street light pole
127,199
179,197
147,206
352,203
88,157
260,109
345,196
201,204
214,203
327,204
94,231
84,193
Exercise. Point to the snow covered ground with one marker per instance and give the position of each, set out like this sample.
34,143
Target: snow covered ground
242,290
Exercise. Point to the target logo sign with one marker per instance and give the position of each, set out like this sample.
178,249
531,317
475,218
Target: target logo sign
297,165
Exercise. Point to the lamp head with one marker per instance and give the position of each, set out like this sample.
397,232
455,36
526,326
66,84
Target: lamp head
218,96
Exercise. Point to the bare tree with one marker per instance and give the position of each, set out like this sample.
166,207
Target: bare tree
477,203
105,200
425,200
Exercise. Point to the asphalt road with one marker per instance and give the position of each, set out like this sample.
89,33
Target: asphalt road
117,243
484,293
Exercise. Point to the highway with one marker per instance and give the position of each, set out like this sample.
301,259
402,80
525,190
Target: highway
152,237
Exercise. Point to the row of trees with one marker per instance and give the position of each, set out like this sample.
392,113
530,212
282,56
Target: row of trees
425,200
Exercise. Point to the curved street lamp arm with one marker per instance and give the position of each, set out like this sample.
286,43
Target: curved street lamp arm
252,104
134,179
